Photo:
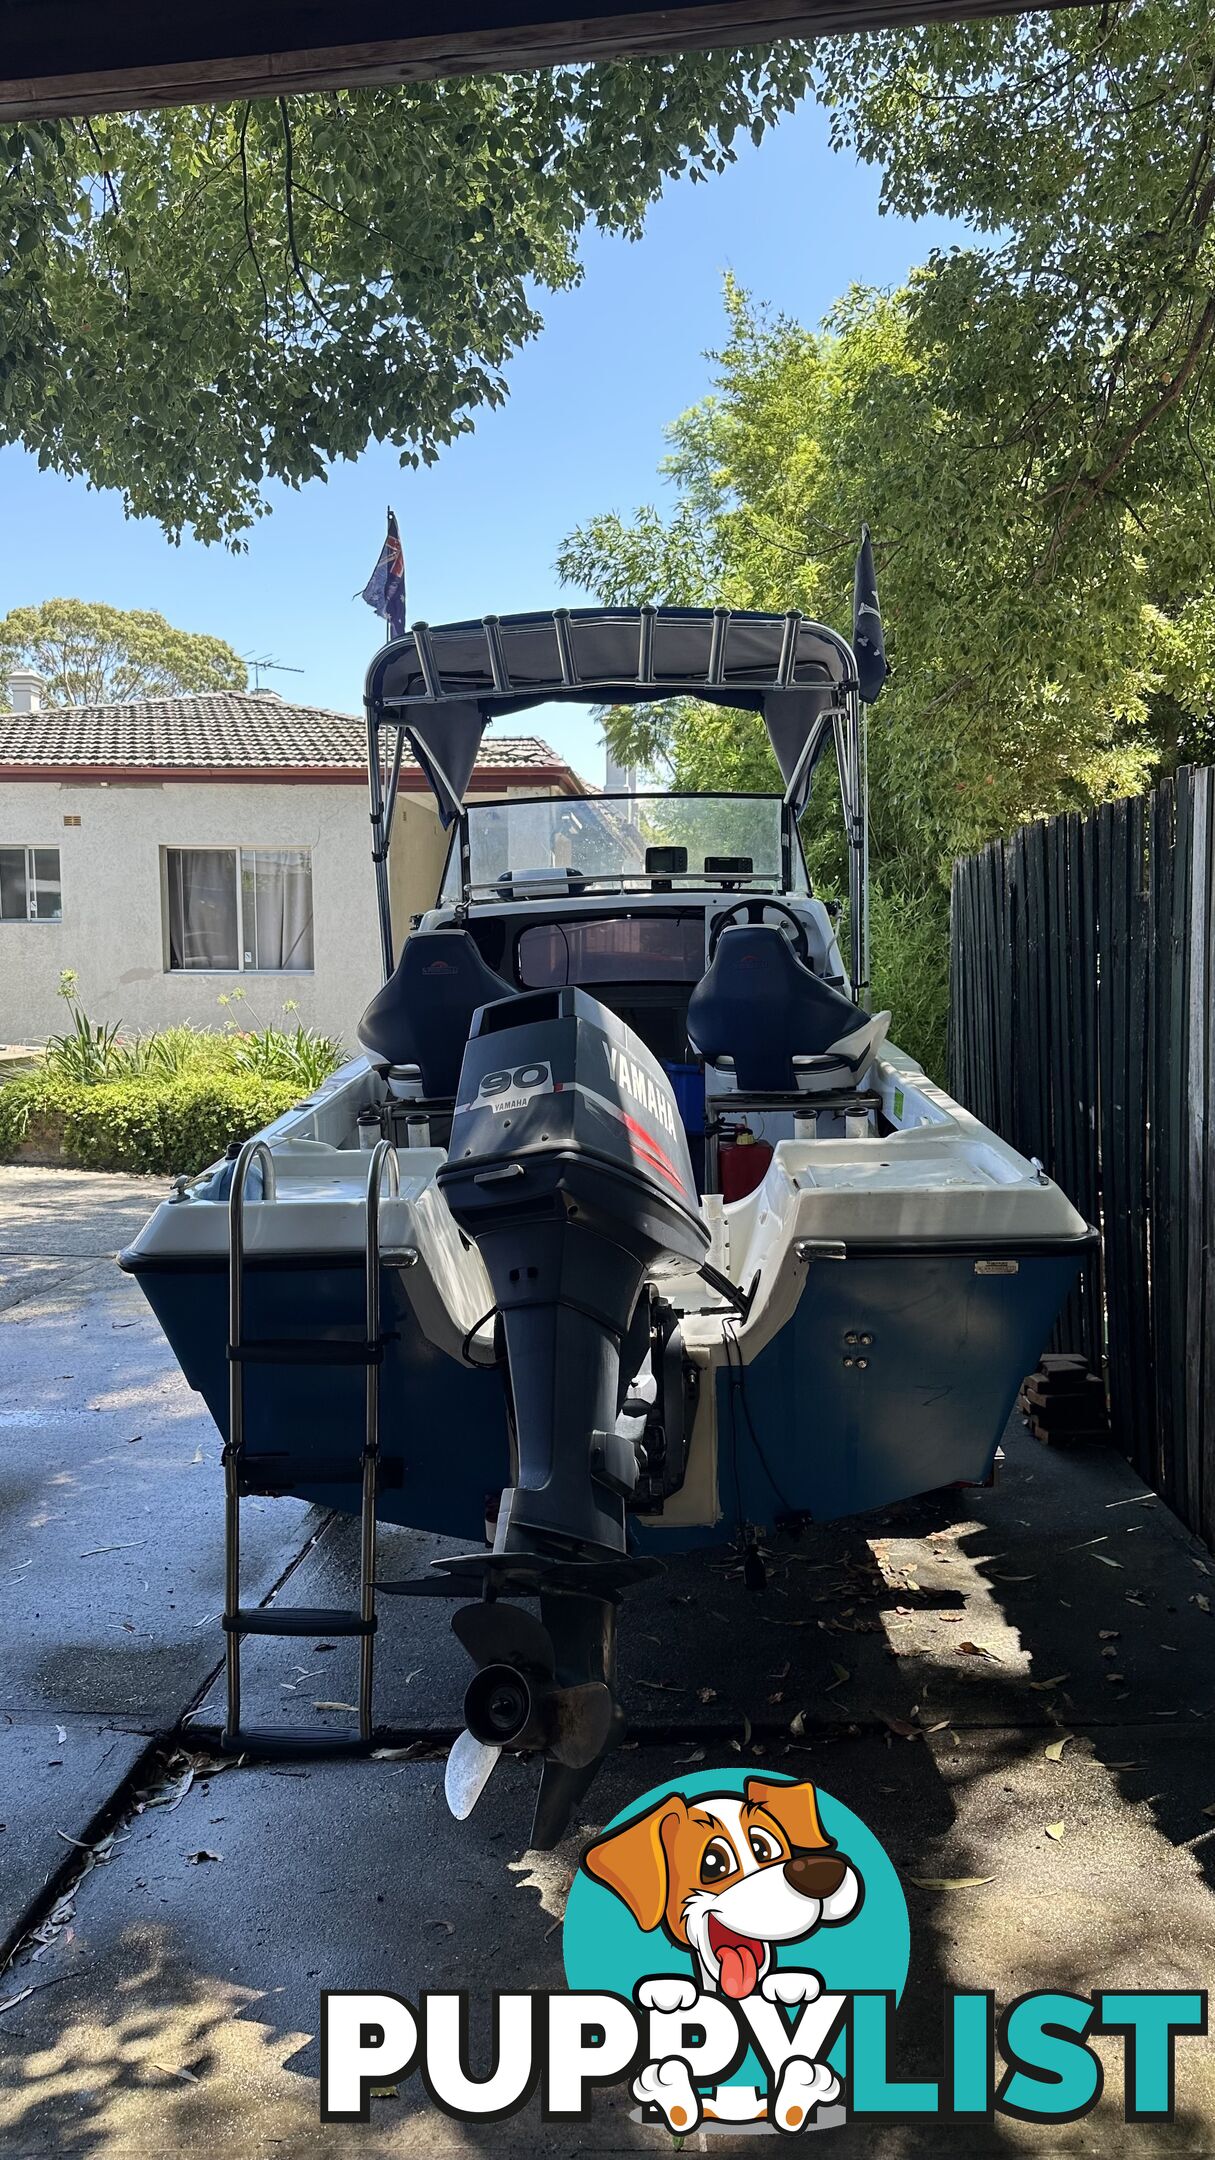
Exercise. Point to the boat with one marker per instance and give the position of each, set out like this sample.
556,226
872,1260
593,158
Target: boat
631,1232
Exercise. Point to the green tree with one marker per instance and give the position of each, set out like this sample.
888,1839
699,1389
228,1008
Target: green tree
90,654
1024,681
195,301
1081,144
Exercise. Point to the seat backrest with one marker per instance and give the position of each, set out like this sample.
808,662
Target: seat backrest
758,1005
424,1011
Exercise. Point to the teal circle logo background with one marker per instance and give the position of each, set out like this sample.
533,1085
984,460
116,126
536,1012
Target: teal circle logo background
604,1947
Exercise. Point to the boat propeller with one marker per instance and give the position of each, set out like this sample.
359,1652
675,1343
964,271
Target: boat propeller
541,1685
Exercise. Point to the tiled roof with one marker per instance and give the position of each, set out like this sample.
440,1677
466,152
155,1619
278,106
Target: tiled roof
218,729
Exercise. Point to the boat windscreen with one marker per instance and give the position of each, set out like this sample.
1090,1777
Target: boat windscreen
645,842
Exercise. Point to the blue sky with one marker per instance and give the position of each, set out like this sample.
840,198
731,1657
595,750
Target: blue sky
582,431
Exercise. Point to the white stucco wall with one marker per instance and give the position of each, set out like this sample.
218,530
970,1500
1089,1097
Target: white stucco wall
113,931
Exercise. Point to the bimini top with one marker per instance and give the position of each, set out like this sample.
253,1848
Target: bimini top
442,686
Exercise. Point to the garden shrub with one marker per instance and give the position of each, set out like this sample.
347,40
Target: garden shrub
173,1127
96,1051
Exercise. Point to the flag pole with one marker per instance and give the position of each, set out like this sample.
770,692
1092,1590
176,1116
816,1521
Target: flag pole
869,655
867,997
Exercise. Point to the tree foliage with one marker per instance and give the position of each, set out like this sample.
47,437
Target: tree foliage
195,301
90,654
1028,425
1010,696
1083,143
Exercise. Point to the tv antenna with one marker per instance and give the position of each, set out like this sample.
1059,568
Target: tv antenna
266,664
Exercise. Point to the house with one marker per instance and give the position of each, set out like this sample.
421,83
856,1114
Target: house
174,850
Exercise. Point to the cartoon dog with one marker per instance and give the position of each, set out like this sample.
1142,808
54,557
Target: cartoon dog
727,1876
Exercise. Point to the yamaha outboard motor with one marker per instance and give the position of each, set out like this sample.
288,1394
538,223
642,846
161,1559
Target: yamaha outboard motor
569,1168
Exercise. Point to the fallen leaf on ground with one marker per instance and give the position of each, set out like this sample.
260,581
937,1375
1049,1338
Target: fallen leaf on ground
195,1859
950,1882
1105,1560
400,1754
1108,1634
188,2077
1054,1753
174,1801
1056,1680
1054,1829
974,1649
335,1706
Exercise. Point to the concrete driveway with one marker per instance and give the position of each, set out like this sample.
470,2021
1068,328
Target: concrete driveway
923,1668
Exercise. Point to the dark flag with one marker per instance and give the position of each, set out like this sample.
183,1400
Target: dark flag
385,588
868,639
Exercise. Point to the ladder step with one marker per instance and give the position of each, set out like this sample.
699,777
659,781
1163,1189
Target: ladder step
282,1742
280,1473
296,1620
305,1350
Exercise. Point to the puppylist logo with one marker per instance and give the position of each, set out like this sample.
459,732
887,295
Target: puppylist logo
735,1948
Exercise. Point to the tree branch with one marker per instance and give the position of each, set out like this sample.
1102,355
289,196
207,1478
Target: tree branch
1097,484
108,188
289,191
248,214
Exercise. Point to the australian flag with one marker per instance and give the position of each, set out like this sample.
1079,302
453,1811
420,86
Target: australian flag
385,588
868,638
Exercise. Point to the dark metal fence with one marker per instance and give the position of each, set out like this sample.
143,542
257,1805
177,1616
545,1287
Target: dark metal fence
1082,1027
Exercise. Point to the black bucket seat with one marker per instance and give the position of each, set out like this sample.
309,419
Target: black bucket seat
422,1015
780,1028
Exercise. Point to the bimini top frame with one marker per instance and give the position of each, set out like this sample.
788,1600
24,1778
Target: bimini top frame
439,689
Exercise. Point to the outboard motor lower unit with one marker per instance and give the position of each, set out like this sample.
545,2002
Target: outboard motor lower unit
569,1168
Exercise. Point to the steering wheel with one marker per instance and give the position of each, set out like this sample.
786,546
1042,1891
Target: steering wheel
754,909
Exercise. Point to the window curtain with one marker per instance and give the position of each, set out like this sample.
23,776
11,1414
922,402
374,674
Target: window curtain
202,908
278,909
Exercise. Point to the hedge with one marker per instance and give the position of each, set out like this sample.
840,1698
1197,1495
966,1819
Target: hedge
171,1126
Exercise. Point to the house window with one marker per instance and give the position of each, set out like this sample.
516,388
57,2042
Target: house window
231,909
29,885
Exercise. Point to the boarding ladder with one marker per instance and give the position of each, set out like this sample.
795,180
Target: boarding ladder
240,1470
